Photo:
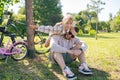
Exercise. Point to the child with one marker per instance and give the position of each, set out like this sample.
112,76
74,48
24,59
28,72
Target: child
60,28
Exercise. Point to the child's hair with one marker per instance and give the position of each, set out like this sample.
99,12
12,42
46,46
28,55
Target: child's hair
67,18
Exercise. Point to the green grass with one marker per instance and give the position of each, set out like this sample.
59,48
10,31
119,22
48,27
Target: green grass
102,56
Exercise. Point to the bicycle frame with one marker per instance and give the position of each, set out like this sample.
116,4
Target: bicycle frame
7,50
4,29
40,36
11,50
10,23
4,32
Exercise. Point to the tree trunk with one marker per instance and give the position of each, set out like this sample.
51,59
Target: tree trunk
30,32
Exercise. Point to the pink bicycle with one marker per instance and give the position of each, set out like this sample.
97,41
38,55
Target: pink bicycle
17,51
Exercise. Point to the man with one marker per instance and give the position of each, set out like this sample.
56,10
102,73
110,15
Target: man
65,49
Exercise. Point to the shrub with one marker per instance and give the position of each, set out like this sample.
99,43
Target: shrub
21,27
80,32
92,32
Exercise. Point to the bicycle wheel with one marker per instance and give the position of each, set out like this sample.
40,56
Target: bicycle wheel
39,41
19,56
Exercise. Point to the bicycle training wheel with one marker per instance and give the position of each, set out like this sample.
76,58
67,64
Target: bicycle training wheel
23,51
39,41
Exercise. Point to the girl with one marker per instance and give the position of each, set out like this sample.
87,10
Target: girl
60,28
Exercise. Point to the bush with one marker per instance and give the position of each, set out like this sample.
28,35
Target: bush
80,32
21,27
92,32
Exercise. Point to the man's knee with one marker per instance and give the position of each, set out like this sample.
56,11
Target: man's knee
53,57
84,46
56,56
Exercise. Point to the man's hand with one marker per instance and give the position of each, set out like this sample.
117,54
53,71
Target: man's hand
74,52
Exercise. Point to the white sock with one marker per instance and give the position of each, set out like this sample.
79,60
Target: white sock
85,66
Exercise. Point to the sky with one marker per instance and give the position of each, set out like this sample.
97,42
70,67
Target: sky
75,6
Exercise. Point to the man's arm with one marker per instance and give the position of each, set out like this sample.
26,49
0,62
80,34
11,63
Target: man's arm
77,44
80,45
54,45
47,42
74,52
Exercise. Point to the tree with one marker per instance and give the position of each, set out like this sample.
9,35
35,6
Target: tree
115,24
95,6
82,18
110,16
103,26
22,10
4,4
30,32
47,11
85,19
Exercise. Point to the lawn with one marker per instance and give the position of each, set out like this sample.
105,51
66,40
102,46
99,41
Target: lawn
102,56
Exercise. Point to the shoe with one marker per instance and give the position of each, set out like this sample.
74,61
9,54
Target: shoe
85,72
69,74
83,68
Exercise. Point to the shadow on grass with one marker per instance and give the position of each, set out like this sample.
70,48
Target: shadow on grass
86,35
99,36
106,37
98,74
27,69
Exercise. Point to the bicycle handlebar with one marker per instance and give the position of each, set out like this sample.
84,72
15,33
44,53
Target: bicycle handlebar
10,22
20,22
17,31
8,13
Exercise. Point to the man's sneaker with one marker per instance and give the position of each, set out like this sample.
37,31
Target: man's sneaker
83,68
85,72
69,74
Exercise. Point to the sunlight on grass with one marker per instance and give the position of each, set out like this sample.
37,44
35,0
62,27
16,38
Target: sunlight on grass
104,53
26,63
102,56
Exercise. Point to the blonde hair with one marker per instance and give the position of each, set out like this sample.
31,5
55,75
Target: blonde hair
67,18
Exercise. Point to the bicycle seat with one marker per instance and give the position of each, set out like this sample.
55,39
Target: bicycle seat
8,13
